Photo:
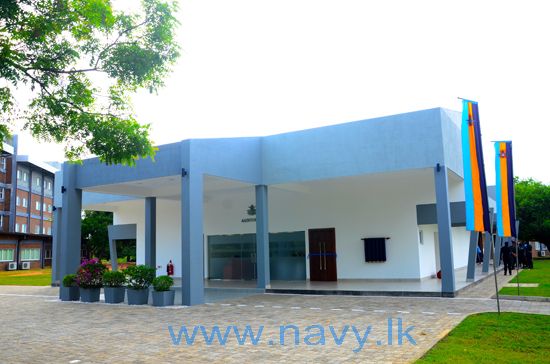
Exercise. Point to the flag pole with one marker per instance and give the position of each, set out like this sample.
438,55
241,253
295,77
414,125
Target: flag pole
495,272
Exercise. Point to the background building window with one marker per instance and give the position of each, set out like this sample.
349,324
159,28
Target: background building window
16,228
47,254
37,229
23,228
37,205
1,221
37,181
6,255
30,254
3,163
2,191
49,208
25,176
49,231
17,201
18,174
24,202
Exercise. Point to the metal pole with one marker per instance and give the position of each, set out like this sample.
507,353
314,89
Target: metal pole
517,263
495,274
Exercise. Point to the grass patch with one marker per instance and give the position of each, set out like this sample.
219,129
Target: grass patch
35,277
539,274
490,338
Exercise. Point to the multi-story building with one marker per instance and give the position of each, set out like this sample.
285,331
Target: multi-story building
26,209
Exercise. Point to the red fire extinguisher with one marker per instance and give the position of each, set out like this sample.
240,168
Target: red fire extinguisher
170,268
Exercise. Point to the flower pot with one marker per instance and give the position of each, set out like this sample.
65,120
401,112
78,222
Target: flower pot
138,296
69,293
89,294
164,298
114,294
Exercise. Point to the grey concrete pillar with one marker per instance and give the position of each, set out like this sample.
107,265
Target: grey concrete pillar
112,251
56,246
151,231
444,230
262,237
498,245
71,218
192,238
472,256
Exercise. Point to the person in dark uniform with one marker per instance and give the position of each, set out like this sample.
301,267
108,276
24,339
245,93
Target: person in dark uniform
507,258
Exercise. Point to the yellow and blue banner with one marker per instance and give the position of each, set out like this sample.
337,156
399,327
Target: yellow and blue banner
506,206
475,185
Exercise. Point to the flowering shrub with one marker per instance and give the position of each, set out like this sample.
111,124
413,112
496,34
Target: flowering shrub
90,274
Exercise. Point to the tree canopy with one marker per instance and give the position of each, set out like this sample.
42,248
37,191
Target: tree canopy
80,60
533,210
95,237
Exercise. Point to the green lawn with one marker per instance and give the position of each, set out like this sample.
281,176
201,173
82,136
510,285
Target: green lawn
488,338
539,274
35,277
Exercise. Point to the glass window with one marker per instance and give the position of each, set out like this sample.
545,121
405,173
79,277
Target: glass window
23,228
17,201
6,255
30,254
3,162
49,231
38,181
49,185
37,229
1,221
16,228
18,174
44,207
25,176
2,191
24,202
49,208
47,254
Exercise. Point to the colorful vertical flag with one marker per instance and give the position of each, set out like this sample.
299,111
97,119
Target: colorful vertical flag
506,205
475,186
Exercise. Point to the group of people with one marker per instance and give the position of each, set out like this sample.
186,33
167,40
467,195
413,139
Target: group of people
509,257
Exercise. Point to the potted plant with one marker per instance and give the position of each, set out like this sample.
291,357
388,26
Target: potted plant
138,280
113,286
162,294
69,290
89,278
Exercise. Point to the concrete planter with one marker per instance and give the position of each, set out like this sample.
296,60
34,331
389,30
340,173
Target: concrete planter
114,294
138,296
164,298
89,294
69,293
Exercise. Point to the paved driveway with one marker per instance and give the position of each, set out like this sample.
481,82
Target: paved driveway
37,328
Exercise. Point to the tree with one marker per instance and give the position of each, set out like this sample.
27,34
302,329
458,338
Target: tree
80,60
95,237
533,210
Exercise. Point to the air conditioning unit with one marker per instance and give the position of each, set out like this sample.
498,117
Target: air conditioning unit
12,265
25,265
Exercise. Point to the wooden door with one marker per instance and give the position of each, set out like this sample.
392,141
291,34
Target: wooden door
322,254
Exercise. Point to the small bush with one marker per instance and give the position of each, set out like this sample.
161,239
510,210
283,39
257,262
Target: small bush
69,280
114,279
139,276
163,283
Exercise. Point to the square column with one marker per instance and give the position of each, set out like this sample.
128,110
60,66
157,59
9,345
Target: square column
71,220
56,246
472,257
444,230
262,237
192,280
150,231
